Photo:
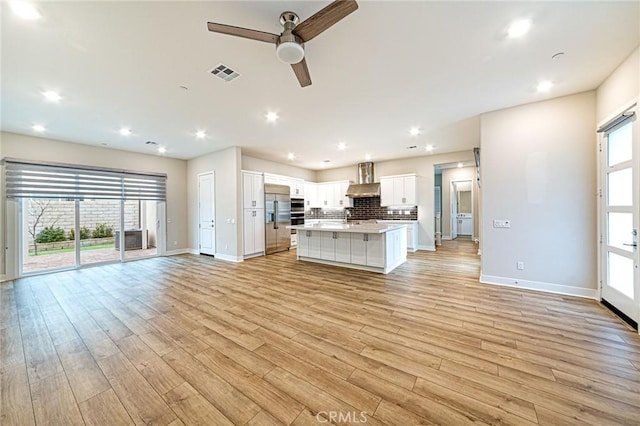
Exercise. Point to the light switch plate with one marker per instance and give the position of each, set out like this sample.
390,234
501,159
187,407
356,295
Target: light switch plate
501,223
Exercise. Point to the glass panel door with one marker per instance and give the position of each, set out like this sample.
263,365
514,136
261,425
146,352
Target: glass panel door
99,231
620,286
141,228
47,235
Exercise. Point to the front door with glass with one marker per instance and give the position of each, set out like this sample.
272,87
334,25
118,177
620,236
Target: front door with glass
619,257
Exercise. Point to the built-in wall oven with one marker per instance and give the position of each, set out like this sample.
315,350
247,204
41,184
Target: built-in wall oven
297,212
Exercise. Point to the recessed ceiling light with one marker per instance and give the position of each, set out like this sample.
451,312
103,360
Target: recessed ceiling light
429,148
291,156
342,146
201,134
544,86
38,128
519,28
125,132
414,131
162,149
24,10
52,96
271,117
460,165
368,157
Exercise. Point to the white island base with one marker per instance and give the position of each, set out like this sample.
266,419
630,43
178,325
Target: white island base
376,248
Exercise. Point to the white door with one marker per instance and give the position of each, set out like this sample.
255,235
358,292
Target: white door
619,256
454,210
206,213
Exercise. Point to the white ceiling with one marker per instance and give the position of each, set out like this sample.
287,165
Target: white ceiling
387,67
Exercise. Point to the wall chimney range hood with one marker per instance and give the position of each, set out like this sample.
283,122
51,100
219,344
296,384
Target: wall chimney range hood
366,187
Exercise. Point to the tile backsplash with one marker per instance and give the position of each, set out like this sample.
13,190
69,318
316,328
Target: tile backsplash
363,209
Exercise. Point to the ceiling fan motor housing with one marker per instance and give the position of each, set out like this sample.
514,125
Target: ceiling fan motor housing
289,47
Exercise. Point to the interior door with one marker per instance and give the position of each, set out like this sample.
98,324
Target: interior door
206,213
454,211
620,288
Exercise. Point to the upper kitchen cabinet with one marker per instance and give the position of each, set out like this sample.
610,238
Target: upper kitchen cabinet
252,190
398,190
296,186
327,195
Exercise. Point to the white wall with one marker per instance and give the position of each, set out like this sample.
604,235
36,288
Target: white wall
226,165
621,87
423,167
538,170
266,166
41,149
448,176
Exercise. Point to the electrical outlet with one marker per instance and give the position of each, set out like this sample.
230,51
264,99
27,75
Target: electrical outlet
175,243
497,223
520,266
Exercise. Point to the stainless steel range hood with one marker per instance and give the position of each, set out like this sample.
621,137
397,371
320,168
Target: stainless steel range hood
366,187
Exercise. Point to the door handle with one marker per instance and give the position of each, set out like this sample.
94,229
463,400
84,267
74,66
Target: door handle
631,245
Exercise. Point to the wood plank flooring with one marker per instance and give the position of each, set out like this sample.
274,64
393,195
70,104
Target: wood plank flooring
271,341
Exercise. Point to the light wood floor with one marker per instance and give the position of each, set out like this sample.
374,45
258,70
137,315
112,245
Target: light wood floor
192,340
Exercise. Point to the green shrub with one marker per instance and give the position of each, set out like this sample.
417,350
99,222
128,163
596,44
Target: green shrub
50,235
84,234
102,231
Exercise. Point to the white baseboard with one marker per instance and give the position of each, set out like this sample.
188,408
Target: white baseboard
589,293
228,258
427,248
446,237
180,251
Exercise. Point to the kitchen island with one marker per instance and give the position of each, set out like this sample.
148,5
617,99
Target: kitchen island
371,247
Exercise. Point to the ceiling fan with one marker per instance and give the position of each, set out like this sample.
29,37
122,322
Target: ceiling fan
290,43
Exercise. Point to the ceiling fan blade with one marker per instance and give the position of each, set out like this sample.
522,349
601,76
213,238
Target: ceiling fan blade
325,18
302,73
243,32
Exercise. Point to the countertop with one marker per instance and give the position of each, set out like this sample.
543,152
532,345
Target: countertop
366,228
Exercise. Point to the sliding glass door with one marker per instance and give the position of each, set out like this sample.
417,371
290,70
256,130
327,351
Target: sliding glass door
99,222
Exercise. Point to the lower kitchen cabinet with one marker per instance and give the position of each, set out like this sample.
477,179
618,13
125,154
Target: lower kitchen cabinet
368,249
253,232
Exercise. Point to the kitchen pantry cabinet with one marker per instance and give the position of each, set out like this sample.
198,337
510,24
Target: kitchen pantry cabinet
253,213
252,190
398,190
253,232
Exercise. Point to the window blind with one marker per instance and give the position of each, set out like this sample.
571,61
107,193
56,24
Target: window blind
629,114
27,179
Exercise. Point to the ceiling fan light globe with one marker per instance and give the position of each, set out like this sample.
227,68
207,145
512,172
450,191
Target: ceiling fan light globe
290,52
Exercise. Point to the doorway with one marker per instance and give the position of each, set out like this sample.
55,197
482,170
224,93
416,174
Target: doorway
206,214
619,212
461,208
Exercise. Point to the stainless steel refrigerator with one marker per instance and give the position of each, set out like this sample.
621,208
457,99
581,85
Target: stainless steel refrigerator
278,217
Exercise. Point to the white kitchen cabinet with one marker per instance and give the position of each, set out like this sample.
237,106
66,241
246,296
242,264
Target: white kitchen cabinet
327,195
303,243
314,239
310,195
398,190
253,232
297,188
343,247
412,232
368,249
340,189
252,190
335,246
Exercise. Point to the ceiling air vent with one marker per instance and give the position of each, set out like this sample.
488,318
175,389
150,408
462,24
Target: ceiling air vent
224,72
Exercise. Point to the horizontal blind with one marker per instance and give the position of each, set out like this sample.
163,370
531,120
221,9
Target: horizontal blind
25,179
629,114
